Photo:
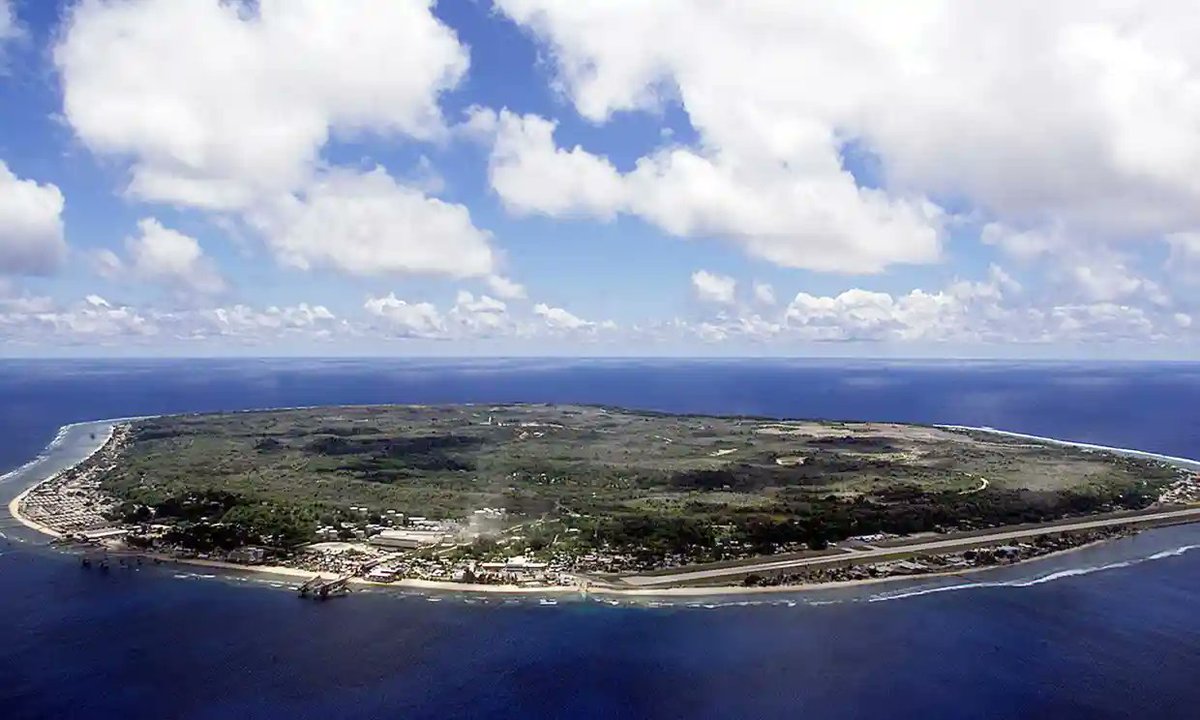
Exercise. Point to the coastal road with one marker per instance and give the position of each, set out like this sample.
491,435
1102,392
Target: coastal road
918,548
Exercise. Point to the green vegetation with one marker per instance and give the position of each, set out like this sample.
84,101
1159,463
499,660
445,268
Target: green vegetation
651,484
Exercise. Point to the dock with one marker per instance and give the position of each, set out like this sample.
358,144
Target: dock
320,588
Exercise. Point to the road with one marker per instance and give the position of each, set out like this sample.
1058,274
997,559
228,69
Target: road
681,578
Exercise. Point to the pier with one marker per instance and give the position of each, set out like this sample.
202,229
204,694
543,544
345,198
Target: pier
320,588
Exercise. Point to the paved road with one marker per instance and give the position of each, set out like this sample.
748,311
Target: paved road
1188,515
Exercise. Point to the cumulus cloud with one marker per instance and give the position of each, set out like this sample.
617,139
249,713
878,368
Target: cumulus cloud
557,318
249,324
365,223
481,316
232,103
418,320
1104,277
167,257
92,320
96,321
989,311
816,220
764,293
713,288
220,104
474,317
506,288
1042,118
531,175
31,226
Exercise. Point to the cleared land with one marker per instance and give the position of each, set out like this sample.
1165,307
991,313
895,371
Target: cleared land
665,489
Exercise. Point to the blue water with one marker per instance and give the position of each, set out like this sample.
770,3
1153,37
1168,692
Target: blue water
1111,631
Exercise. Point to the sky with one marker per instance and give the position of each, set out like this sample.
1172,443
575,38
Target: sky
600,178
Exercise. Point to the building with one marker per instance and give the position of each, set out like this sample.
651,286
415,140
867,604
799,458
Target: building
383,573
407,539
248,555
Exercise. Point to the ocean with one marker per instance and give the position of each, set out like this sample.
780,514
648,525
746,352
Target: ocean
1108,632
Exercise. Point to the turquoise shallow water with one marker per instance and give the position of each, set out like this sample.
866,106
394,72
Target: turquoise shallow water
1110,631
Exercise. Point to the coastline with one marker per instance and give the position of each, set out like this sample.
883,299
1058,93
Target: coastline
444,587
14,505
453,587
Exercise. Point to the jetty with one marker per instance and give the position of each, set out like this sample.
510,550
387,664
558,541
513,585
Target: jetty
320,588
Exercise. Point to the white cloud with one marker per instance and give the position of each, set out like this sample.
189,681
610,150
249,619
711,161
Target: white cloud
1185,254
1102,275
31,226
90,321
815,218
1183,320
367,224
1040,117
8,25
220,104
557,318
480,317
506,288
531,175
764,294
418,320
247,323
1023,244
167,257
713,288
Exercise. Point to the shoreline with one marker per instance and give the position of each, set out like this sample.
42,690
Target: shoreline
14,505
714,591
278,571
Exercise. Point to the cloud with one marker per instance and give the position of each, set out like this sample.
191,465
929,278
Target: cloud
417,320
477,317
481,316
713,288
814,220
557,318
368,224
95,321
31,226
1023,244
531,175
246,323
90,321
1103,276
1184,259
166,257
505,288
1032,115
9,29
990,311
221,104
764,294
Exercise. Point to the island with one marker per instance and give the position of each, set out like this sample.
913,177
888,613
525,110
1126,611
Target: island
588,498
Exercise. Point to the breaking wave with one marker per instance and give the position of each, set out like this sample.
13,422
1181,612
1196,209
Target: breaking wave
1041,580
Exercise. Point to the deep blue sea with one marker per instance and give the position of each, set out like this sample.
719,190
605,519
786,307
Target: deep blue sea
1109,632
